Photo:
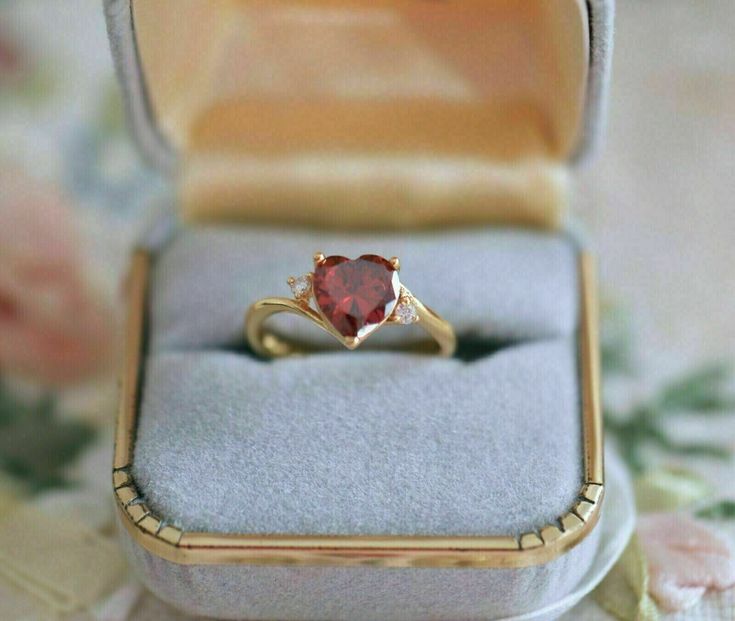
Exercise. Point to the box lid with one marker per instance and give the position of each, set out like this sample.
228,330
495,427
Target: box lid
409,112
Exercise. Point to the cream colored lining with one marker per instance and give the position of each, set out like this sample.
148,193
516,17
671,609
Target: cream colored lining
464,110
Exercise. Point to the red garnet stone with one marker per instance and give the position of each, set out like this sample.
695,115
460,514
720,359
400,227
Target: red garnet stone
357,295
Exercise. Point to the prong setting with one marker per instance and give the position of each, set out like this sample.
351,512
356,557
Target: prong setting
396,263
319,258
301,286
352,342
405,311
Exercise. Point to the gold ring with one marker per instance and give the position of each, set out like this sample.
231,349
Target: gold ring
352,299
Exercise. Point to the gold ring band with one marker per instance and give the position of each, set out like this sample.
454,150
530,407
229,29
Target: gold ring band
352,299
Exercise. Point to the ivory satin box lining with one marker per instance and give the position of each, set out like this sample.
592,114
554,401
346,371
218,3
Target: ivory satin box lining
416,113
232,500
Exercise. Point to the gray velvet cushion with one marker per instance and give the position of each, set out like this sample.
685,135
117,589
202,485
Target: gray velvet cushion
366,442
369,442
380,444
411,594
504,284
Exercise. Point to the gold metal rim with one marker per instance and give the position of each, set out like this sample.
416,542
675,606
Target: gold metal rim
159,537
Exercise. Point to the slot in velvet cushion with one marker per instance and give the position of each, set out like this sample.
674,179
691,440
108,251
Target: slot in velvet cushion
490,283
388,443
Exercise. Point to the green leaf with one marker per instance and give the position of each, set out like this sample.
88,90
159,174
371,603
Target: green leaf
624,591
666,489
616,347
37,87
36,445
656,435
721,510
702,390
111,117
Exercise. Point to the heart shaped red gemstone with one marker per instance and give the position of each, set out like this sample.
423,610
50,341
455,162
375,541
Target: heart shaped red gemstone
356,295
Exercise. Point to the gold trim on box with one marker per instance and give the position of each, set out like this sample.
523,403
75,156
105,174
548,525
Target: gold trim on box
163,539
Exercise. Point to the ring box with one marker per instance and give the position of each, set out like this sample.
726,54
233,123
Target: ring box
365,485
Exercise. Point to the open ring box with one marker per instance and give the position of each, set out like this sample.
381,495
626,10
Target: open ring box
374,484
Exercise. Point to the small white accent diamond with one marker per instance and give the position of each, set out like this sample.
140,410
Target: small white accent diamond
406,312
301,287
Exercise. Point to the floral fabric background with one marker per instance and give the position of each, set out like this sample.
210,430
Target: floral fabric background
74,195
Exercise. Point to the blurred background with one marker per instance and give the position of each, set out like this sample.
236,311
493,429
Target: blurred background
658,204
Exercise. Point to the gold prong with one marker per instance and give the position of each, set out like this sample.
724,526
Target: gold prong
530,540
291,280
550,533
352,342
319,258
396,263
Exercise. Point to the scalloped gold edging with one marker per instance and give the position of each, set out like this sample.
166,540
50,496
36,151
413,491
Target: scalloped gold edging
163,539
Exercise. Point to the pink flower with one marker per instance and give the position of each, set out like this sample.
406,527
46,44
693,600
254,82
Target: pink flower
11,60
54,327
685,558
